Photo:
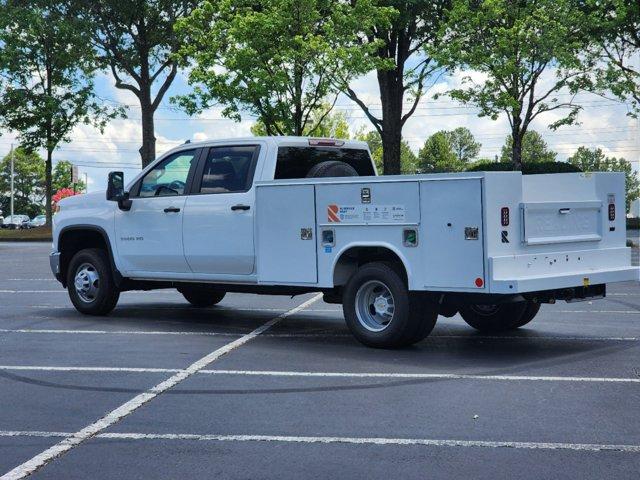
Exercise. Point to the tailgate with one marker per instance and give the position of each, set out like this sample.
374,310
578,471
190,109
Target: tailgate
561,222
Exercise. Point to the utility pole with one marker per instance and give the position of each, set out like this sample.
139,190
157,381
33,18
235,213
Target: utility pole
12,193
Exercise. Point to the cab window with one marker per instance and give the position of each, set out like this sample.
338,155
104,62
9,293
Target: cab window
169,177
228,169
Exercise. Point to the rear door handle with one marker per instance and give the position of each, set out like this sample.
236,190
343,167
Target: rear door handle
171,210
240,207
564,211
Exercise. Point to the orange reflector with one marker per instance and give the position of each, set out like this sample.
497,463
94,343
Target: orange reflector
479,282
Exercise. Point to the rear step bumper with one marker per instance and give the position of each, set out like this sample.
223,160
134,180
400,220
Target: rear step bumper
555,281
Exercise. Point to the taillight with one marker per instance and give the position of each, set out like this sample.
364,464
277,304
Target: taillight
612,208
504,216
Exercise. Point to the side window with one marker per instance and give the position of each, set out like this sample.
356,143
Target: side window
169,177
229,169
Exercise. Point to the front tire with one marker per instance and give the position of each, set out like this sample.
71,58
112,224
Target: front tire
90,282
381,312
201,297
500,317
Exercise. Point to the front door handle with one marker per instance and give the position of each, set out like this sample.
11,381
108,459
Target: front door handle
240,207
171,210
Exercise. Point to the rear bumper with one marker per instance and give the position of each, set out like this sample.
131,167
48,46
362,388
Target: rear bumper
54,263
551,271
554,282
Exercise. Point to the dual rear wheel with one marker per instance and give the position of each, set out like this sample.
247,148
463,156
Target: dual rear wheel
381,312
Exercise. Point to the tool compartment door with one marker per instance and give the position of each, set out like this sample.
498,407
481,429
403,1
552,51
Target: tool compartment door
286,234
452,234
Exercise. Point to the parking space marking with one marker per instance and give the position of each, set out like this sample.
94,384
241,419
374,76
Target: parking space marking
426,376
305,335
381,441
116,332
271,373
47,368
30,466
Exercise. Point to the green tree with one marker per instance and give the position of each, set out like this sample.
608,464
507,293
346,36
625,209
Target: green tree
615,25
62,177
274,59
534,149
404,69
596,161
463,144
29,192
436,155
48,65
328,125
513,42
136,41
409,161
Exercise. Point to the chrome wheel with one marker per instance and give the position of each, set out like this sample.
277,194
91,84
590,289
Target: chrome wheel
87,282
374,306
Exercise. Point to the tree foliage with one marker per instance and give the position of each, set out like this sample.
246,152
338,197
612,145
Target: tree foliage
463,144
63,178
409,161
512,43
615,24
534,149
436,155
28,177
327,125
596,161
48,65
448,151
275,59
404,69
136,41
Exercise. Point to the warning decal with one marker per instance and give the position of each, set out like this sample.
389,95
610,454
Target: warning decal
332,213
366,213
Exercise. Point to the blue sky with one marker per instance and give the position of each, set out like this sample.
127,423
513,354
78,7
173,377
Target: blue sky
604,124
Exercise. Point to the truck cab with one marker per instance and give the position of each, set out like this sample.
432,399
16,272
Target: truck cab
293,215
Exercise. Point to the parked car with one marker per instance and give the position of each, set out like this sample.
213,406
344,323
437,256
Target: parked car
258,215
16,222
37,221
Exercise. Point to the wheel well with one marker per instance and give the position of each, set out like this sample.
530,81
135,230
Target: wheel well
354,257
72,241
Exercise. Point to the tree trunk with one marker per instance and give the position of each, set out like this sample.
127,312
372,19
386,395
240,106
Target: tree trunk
148,148
516,149
391,96
47,186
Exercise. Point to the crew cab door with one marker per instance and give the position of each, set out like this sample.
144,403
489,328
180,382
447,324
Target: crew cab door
219,214
149,236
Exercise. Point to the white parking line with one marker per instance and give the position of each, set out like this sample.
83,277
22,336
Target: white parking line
472,336
273,373
30,466
450,376
304,335
381,441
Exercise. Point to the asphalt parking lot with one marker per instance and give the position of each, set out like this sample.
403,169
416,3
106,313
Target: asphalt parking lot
273,387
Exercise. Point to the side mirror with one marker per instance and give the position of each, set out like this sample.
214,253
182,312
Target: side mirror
116,192
115,186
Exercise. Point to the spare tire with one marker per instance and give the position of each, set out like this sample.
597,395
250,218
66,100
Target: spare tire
332,168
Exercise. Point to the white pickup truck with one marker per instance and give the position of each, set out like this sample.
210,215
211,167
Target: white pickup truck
292,215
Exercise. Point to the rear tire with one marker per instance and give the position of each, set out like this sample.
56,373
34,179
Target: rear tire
529,314
495,318
90,282
381,312
201,297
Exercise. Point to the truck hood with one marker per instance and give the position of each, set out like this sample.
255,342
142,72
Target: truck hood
83,199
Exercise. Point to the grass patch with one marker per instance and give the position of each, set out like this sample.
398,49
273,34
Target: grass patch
30,235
